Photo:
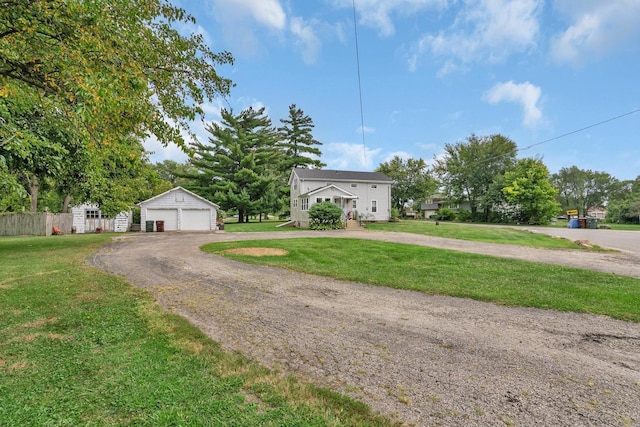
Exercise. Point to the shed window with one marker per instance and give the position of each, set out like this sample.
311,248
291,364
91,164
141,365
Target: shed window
374,186
92,213
374,206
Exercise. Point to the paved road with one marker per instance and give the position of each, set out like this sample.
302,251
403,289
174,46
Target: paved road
628,241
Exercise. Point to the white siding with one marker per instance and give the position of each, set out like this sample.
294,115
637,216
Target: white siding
82,225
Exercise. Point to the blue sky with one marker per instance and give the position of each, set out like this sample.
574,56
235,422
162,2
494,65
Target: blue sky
434,72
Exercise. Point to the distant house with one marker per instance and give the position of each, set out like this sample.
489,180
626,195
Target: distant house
180,209
431,206
360,195
87,218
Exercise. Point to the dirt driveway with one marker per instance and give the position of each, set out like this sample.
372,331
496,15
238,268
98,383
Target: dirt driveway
427,360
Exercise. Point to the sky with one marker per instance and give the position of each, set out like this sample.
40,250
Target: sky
433,72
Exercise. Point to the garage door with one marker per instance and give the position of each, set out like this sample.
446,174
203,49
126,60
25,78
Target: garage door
196,219
169,216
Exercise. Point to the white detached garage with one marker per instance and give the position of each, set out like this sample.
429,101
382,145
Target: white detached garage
180,210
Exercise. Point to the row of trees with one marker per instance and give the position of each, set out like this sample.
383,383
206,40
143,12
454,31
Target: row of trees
484,174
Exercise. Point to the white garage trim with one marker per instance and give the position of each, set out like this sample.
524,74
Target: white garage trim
196,219
169,216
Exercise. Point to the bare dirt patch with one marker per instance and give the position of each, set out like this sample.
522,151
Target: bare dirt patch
421,359
258,251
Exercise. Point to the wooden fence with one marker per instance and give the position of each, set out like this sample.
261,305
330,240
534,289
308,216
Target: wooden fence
34,224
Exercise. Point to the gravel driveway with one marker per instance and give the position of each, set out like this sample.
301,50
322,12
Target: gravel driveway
425,360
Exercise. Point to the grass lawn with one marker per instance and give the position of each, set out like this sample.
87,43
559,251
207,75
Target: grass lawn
479,233
81,347
437,271
231,225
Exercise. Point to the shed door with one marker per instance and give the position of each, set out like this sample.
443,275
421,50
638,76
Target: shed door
169,216
196,219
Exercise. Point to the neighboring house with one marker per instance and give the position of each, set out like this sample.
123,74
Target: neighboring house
180,209
431,206
88,217
599,213
360,195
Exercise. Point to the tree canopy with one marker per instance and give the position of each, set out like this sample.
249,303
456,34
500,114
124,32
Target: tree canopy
583,189
412,181
86,78
468,169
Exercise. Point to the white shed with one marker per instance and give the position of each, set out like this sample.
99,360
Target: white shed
88,217
180,210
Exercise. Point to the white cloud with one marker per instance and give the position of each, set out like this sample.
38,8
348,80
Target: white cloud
306,39
525,94
597,28
378,13
366,129
483,30
345,156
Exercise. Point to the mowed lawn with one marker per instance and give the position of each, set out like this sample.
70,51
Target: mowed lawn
436,271
81,347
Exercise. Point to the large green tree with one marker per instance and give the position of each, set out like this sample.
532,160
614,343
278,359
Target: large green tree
301,149
527,188
238,167
624,202
103,71
583,189
468,169
412,181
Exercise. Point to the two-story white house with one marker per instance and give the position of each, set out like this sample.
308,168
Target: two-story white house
361,195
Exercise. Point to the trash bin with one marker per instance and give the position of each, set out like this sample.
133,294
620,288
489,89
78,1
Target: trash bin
582,223
159,226
148,226
221,226
592,223
573,223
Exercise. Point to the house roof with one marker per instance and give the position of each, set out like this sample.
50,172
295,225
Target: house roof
176,189
345,193
338,175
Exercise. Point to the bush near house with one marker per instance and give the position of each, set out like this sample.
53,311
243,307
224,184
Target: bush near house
325,216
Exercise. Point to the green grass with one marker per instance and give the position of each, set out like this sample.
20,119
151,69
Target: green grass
435,271
479,233
81,347
231,225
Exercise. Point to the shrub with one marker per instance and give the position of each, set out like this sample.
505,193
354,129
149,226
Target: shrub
325,216
445,214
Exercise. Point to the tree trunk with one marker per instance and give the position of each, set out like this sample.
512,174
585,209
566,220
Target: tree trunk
33,192
66,203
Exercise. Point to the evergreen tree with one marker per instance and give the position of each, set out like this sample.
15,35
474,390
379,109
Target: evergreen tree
238,167
297,142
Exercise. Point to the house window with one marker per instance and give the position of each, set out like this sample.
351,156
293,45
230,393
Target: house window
295,184
374,206
305,204
354,185
327,199
374,185
353,204
318,199
295,203
92,214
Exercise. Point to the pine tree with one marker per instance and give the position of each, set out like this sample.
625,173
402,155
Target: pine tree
297,142
237,168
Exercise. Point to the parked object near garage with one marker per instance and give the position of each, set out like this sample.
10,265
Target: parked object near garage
179,210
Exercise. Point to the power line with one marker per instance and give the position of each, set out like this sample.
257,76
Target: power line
580,130
355,29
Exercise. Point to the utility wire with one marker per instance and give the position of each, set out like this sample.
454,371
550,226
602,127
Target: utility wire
355,29
580,130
